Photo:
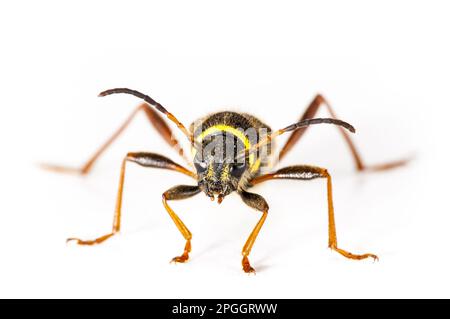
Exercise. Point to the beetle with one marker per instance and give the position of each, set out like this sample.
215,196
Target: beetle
231,152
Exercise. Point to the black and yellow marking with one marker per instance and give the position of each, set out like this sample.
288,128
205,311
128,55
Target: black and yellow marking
219,177
235,124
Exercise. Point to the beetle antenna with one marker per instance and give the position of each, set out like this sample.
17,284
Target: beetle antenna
296,126
309,122
153,103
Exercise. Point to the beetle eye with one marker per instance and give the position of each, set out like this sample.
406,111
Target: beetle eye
237,169
200,166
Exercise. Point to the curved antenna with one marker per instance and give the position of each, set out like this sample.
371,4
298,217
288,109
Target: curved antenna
309,122
153,103
302,124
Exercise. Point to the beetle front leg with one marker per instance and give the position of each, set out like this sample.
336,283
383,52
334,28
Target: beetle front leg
177,193
257,202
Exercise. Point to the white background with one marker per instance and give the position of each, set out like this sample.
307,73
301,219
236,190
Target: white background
384,67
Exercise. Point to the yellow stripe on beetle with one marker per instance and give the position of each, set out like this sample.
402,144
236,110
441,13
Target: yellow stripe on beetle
225,128
236,132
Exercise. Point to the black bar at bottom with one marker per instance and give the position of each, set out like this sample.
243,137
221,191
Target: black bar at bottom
221,308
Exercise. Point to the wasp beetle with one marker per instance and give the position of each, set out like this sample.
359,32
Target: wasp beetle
231,152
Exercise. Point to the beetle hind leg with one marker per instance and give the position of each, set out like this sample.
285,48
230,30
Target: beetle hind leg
310,112
154,119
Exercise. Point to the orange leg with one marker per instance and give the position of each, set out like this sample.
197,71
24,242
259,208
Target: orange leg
177,193
143,159
305,172
309,113
332,237
154,118
257,202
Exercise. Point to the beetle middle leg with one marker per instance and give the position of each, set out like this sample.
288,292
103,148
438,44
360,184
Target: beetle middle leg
143,159
306,172
310,112
155,120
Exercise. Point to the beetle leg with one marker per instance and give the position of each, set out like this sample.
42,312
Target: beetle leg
305,172
143,159
155,120
258,202
177,193
312,109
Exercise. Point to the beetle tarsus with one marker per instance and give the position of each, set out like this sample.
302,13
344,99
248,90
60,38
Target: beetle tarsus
246,266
